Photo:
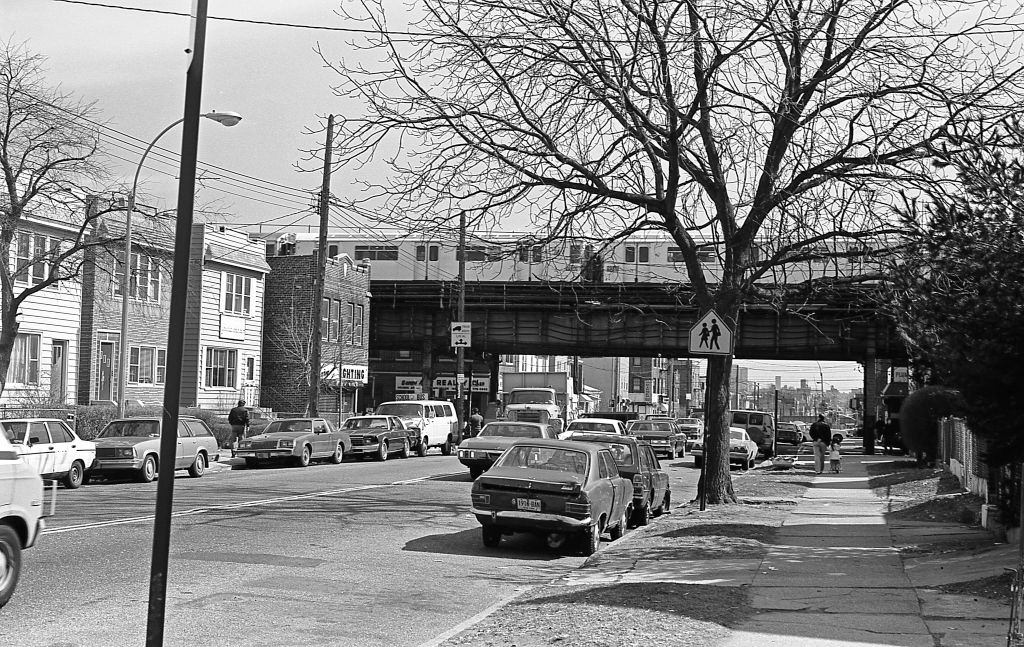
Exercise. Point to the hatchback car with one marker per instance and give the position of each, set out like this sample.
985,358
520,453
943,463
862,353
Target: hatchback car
480,452
742,450
652,495
561,489
131,447
664,436
299,440
52,448
381,436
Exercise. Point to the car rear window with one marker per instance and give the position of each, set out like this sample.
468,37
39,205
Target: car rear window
545,458
591,426
366,423
757,419
739,418
511,431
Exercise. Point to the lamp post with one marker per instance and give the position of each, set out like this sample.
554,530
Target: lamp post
225,118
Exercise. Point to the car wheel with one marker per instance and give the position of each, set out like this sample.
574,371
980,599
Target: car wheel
475,472
10,562
671,453
307,455
491,536
662,508
382,451
198,467
404,452
422,448
252,463
339,453
698,461
590,541
148,470
73,479
446,448
620,528
642,515
750,464
744,464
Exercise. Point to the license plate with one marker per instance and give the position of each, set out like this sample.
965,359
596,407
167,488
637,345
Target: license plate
262,455
529,505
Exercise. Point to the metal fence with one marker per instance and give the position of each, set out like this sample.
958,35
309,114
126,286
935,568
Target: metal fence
961,449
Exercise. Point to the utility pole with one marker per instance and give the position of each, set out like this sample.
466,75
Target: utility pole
312,404
460,315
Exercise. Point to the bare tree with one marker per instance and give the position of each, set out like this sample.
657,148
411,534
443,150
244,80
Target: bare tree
50,163
776,131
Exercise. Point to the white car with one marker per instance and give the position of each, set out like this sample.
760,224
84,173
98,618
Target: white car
742,450
51,448
22,508
594,426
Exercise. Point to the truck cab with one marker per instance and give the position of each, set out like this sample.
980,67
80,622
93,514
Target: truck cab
534,404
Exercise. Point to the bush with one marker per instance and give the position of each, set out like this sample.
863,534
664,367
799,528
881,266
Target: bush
91,419
920,415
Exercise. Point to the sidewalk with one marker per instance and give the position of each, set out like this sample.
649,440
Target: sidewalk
830,576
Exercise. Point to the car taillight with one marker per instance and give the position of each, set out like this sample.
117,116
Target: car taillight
638,482
578,508
481,499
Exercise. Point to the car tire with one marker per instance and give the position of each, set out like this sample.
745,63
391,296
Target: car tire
404,452
620,528
339,453
147,472
491,536
642,515
475,472
750,464
75,476
446,448
307,455
10,562
662,508
698,461
198,466
671,453
382,451
252,463
590,540
421,449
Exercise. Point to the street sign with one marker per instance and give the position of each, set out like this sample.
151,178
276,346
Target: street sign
462,334
711,336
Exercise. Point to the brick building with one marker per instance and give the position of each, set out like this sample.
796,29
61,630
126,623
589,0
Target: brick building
343,328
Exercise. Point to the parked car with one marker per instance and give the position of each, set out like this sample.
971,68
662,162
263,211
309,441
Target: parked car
692,428
594,425
636,460
759,425
787,433
380,436
480,452
131,446
23,506
561,489
436,420
742,450
52,448
300,440
663,435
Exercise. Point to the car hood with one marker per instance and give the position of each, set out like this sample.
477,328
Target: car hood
530,479
360,433
126,441
280,435
488,442
653,434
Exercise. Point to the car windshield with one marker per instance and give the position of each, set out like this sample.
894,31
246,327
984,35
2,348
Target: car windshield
511,431
531,397
545,458
366,423
289,426
737,435
602,427
407,409
650,426
131,429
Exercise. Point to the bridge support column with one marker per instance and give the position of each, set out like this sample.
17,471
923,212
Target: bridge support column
427,370
493,397
875,375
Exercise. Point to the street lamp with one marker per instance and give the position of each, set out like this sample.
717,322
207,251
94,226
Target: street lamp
224,118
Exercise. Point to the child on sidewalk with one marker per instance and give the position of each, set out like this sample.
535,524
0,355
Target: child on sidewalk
835,459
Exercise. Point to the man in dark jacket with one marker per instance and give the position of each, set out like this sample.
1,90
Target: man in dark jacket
821,434
238,418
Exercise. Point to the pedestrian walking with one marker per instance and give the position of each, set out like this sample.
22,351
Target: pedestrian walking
476,423
238,418
821,434
835,459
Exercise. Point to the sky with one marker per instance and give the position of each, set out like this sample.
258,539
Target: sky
132,65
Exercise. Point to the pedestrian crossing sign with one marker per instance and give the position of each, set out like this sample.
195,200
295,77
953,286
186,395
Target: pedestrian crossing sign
711,336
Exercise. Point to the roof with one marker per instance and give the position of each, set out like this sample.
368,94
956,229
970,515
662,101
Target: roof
607,421
251,259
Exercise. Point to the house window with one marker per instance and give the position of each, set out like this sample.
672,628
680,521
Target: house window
376,253
221,367
237,293
24,368
360,314
34,248
325,319
351,324
335,324
146,365
143,280
637,385
250,369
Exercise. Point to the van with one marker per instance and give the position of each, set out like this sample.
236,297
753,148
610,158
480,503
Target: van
436,420
760,426
22,508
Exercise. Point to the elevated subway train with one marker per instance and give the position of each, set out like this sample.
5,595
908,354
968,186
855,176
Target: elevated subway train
642,258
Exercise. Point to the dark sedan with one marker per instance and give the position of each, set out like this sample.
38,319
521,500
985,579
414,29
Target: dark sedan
560,489
480,452
636,461
381,436
664,436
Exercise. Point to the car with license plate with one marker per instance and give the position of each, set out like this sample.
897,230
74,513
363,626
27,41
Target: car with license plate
381,436
742,450
131,447
663,435
636,460
52,448
23,505
594,425
692,428
298,440
480,452
562,490
788,433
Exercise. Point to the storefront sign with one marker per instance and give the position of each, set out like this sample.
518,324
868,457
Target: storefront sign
480,384
354,375
407,383
232,327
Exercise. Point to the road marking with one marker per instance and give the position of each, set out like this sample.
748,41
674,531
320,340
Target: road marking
243,504
466,624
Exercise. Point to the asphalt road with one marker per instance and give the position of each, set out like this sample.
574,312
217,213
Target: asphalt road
358,554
